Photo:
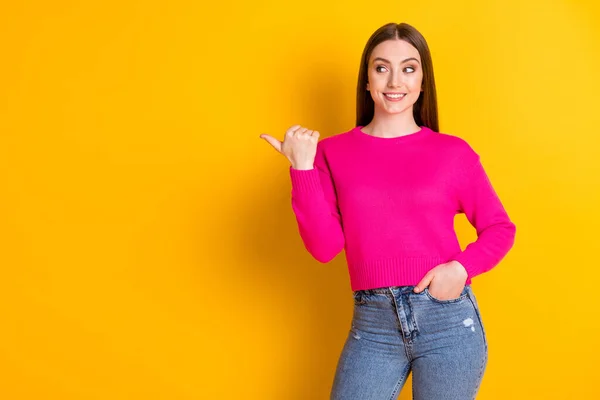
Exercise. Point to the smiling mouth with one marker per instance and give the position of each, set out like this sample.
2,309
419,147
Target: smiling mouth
395,96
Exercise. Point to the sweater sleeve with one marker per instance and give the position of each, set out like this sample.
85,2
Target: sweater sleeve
314,203
495,231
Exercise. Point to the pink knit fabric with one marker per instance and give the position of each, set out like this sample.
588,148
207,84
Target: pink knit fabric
390,204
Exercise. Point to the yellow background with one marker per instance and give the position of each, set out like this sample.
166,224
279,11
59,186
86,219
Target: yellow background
148,248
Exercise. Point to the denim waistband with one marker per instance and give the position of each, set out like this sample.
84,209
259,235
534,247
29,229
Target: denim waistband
387,289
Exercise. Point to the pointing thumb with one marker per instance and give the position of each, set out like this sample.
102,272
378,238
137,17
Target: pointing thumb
424,282
274,142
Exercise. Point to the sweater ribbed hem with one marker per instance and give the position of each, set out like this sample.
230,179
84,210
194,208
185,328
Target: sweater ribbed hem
399,271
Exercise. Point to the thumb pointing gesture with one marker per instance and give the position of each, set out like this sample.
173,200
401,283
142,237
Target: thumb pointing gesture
299,146
274,142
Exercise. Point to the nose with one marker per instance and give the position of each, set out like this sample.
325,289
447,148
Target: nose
395,79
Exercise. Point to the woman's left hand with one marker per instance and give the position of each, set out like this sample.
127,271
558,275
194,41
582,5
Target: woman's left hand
445,281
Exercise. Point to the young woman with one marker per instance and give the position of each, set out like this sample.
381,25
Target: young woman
387,192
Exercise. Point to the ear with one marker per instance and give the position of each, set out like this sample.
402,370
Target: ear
368,88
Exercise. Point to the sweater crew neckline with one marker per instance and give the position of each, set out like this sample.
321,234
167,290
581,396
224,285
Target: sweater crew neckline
421,133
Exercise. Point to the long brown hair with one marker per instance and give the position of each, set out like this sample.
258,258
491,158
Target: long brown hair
425,108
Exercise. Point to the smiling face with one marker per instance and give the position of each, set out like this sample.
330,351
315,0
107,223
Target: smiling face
394,76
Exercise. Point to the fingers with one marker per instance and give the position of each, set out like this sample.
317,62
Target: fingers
300,131
292,129
306,134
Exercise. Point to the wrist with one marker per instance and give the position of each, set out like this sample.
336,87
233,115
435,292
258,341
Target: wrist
303,167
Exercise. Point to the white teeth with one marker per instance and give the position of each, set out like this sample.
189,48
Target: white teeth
395,96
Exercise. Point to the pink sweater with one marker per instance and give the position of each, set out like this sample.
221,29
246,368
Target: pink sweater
390,203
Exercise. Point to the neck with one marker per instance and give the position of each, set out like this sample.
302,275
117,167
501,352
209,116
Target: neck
392,125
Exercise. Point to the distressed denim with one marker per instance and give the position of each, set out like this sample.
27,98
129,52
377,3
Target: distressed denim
395,332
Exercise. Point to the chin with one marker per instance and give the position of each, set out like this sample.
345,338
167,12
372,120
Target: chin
397,110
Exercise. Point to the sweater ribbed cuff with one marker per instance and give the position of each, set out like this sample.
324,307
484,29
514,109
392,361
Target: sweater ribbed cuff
464,260
305,180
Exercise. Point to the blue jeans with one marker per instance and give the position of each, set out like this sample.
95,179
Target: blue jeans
395,331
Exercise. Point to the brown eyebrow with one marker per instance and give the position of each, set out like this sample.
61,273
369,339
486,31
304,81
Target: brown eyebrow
387,61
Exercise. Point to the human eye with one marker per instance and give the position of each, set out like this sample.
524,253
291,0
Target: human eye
379,66
411,67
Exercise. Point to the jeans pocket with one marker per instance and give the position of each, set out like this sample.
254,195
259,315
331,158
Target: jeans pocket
358,298
464,295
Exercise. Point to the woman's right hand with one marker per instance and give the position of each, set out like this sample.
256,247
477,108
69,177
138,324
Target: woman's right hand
299,146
